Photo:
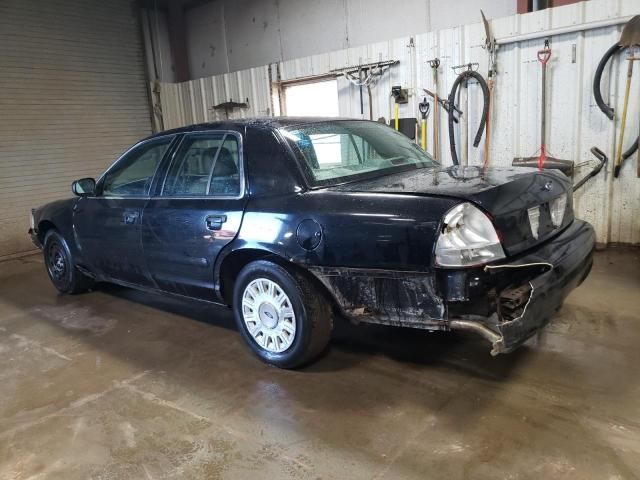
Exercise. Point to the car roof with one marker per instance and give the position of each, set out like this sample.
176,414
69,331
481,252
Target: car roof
255,122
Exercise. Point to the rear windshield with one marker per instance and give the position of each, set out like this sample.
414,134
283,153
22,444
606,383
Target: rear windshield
339,151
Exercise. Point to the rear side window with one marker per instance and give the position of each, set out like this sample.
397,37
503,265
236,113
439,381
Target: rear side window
205,165
132,175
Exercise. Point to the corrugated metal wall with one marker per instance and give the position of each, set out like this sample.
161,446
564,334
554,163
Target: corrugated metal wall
72,98
575,123
192,102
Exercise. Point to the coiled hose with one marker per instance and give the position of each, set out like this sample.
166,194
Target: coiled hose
464,77
597,92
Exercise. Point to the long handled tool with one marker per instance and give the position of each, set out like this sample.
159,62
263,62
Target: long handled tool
434,64
600,155
623,120
424,108
630,39
543,160
491,47
444,104
400,95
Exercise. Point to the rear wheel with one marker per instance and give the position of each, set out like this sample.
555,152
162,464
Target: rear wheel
282,316
61,267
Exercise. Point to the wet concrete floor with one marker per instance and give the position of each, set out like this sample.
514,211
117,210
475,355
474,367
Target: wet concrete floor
118,384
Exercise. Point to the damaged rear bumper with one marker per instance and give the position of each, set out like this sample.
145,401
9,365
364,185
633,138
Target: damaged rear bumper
506,303
524,308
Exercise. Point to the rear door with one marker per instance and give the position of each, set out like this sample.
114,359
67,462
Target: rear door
107,225
196,211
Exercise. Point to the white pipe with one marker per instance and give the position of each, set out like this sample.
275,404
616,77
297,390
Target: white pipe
562,30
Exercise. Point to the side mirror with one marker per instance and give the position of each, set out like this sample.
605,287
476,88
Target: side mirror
84,187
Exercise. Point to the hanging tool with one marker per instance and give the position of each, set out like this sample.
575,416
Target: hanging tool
491,47
424,108
444,104
597,79
543,160
464,77
599,154
360,81
597,92
230,106
400,95
434,64
367,75
630,39
623,120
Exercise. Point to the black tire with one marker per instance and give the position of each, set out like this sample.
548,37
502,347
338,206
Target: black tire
61,267
313,315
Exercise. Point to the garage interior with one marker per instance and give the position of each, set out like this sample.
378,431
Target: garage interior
117,383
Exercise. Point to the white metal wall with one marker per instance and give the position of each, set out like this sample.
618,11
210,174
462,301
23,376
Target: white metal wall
72,97
575,123
192,102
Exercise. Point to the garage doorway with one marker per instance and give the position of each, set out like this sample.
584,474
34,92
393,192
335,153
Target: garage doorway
317,99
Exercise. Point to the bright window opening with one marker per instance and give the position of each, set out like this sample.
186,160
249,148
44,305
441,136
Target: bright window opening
318,99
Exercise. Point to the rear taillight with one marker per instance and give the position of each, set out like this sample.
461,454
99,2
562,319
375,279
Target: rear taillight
468,238
557,207
534,220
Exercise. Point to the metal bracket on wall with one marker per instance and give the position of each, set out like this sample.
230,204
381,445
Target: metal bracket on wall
367,74
468,66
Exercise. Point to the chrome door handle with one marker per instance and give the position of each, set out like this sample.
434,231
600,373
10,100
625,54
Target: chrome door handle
214,222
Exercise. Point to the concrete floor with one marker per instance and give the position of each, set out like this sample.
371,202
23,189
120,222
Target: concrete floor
118,384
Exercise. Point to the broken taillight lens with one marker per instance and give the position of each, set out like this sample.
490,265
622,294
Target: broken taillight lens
468,238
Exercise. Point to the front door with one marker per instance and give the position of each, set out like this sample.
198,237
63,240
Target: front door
196,212
107,225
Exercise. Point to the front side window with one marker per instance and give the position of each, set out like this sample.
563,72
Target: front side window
133,174
336,151
205,165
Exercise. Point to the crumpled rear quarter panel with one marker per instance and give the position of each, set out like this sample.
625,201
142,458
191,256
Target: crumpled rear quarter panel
388,297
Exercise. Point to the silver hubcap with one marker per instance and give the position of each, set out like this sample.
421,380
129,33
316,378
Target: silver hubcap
268,315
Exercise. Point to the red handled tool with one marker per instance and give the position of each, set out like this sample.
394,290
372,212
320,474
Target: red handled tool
543,160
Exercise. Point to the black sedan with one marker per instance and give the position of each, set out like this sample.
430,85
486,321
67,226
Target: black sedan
293,222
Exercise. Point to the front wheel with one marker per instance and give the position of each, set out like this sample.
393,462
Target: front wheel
282,316
61,267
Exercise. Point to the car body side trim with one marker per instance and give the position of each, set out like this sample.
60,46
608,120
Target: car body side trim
157,291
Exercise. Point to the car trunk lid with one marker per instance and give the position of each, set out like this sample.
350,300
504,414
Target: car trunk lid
512,197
